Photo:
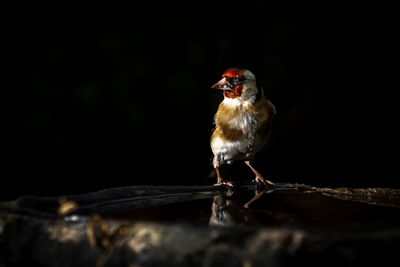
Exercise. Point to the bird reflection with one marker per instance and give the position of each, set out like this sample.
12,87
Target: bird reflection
226,211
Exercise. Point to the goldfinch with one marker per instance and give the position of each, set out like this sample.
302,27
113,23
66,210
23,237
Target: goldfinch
242,123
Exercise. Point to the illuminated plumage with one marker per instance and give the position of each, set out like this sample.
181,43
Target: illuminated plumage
243,122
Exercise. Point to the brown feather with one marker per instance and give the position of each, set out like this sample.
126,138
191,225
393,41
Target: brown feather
262,109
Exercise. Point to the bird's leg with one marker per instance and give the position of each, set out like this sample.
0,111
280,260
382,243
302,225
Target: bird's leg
259,177
220,180
256,196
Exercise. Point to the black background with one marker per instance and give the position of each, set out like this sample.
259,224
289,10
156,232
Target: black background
118,97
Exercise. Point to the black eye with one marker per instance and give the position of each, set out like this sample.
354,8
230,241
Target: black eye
237,80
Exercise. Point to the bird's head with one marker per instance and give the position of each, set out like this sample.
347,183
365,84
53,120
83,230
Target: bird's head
238,83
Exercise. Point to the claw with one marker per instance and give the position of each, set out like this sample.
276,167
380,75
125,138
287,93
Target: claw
222,182
266,183
227,183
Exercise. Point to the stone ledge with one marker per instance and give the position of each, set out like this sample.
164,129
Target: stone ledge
92,241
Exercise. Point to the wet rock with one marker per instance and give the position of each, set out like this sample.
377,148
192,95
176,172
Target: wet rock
25,240
296,225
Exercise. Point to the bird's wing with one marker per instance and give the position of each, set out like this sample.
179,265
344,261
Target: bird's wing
273,107
214,123
269,102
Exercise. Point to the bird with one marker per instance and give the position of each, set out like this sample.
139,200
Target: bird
243,123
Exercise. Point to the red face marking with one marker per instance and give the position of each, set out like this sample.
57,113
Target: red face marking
229,94
231,73
239,90
237,93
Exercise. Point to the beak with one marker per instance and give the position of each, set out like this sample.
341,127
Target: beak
223,84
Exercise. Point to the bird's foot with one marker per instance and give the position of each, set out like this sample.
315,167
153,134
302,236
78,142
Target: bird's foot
267,183
221,182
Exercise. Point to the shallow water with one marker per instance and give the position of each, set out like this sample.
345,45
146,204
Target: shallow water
289,208
288,205
170,226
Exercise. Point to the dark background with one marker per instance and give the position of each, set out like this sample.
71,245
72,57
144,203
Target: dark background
122,97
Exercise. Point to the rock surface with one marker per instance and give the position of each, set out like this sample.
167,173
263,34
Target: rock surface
281,229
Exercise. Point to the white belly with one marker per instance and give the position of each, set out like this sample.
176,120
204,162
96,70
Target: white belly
227,151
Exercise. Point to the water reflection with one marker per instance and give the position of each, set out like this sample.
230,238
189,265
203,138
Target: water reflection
227,210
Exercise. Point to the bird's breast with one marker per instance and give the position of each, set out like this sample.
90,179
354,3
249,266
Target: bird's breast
240,121
241,127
